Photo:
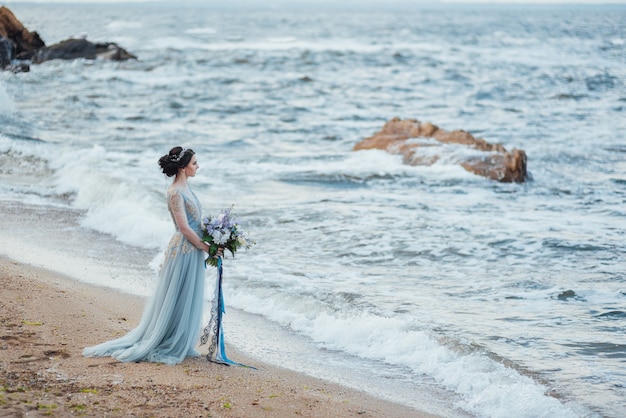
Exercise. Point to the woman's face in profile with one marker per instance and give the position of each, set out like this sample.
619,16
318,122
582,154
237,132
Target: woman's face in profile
192,167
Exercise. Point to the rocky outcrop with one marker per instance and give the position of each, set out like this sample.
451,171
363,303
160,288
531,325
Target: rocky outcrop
78,48
15,39
111,51
11,28
7,52
425,144
18,44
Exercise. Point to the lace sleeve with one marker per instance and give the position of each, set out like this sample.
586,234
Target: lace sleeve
177,208
176,205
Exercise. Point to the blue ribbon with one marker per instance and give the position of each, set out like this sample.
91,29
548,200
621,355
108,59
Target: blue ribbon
217,349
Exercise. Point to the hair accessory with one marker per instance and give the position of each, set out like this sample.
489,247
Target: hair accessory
180,155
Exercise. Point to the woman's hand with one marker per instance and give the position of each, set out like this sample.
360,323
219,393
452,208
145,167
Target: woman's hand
207,249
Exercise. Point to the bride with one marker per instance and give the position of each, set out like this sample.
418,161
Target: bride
171,322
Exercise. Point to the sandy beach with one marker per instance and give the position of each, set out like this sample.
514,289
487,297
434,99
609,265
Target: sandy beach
47,319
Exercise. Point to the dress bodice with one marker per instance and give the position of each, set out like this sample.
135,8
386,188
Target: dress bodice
179,200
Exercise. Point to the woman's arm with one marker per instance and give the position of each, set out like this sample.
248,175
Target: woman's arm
177,206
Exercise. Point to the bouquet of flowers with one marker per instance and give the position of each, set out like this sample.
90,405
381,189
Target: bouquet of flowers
223,231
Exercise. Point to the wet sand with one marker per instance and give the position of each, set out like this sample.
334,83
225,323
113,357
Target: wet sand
46,319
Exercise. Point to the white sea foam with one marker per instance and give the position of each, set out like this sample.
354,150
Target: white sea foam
177,43
121,25
290,42
487,388
282,40
116,204
6,102
201,31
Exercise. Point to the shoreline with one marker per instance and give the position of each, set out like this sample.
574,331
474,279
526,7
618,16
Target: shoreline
48,318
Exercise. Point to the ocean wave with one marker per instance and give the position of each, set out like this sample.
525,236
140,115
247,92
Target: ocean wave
336,180
122,25
488,387
601,82
202,31
573,246
614,315
6,102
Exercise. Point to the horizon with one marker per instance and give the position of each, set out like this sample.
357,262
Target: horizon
365,3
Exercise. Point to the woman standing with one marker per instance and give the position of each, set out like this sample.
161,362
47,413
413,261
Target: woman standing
171,322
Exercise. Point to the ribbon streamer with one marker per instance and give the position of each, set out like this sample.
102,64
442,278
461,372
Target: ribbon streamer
214,329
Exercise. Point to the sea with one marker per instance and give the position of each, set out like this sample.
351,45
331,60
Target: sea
428,286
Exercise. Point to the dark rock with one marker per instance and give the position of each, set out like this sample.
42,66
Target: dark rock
17,43
67,50
80,48
568,294
25,55
7,51
21,67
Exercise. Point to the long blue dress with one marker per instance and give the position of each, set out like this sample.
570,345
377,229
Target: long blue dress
170,325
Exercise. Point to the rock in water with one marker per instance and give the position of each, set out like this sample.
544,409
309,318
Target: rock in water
424,144
16,42
15,39
67,50
7,51
80,48
12,29
113,52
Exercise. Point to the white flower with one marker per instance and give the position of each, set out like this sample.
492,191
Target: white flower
217,236
241,240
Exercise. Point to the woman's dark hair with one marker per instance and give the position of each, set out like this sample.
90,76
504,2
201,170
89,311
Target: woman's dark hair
177,158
